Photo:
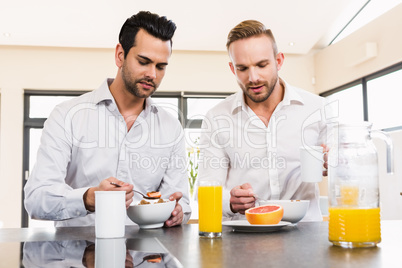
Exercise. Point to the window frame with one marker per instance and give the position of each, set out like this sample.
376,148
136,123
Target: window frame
35,123
364,81
183,108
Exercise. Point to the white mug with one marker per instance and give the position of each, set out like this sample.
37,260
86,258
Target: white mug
110,214
312,161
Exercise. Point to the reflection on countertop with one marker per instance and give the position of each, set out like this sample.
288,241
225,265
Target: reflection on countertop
107,253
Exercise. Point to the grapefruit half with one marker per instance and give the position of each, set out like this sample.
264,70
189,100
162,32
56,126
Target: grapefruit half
267,214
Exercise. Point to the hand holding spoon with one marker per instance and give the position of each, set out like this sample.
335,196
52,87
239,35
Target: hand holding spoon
144,196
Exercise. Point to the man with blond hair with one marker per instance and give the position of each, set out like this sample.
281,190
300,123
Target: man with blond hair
251,140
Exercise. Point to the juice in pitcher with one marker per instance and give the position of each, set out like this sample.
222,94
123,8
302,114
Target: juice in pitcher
354,227
210,209
353,184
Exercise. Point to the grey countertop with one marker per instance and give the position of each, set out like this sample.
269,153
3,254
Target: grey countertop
303,245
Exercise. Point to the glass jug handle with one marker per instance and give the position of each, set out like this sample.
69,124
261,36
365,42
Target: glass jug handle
390,148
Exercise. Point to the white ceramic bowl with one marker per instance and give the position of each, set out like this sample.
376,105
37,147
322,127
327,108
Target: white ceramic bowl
293,210
152,215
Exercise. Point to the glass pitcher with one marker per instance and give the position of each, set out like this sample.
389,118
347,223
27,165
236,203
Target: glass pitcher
353,187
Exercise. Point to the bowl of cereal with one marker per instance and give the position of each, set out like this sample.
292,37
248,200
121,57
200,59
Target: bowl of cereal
150,214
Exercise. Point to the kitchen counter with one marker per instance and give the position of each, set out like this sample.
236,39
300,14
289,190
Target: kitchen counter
303,245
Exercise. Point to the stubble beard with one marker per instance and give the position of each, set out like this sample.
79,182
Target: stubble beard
260,97
132,85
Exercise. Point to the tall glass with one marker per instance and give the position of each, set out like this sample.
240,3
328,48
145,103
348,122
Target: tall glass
210,208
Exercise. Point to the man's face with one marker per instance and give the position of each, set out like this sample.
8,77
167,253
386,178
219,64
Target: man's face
255,66
145,64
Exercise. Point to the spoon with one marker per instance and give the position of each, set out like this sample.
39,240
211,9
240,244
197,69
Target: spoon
144,196
257,200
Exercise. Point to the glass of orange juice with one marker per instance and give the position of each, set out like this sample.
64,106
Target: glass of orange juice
210,208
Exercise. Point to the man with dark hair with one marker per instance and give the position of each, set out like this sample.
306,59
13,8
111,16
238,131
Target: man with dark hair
250,141
148,22
114,134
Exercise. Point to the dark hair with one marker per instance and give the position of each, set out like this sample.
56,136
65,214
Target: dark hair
249,28
159,27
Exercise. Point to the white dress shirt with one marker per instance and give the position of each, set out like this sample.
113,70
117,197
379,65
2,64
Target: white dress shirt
85,140
236,147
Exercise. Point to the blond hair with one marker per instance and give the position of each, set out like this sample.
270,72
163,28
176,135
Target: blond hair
249,28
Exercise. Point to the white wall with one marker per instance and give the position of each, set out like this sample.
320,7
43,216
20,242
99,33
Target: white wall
336,65
209,72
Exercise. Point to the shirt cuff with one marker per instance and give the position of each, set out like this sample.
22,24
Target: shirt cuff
75,203
186,217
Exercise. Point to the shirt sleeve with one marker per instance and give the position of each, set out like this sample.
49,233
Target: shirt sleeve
47,196
214,161
175,177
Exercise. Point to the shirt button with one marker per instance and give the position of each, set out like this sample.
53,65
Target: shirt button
78,213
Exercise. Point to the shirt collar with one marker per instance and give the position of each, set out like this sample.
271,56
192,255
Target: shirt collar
239,102
104,95
291,96
150,105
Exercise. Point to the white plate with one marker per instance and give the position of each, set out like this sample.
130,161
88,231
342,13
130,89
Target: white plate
245,226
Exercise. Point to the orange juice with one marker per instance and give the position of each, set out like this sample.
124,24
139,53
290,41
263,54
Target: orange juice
349,195
210,209
354,227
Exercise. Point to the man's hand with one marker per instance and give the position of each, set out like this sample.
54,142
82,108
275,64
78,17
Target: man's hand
241,198
89,196
177,214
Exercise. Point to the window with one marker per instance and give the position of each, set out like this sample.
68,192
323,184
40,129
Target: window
190,109
37,107
384,107
170,104
196,107
373,98
349,103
